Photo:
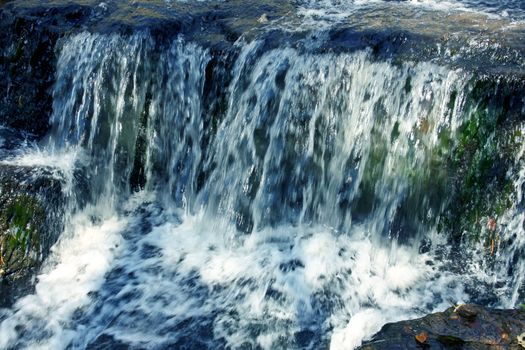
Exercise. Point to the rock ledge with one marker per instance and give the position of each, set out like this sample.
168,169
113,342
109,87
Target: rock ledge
461,327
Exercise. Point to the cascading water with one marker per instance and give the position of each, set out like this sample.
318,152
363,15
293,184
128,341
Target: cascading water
295,223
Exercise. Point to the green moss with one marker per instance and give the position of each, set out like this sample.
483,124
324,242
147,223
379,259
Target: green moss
487,144
20,221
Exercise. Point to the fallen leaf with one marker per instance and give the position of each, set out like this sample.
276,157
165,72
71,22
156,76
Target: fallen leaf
422,337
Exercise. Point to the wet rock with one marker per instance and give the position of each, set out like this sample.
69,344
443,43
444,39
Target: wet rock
27,63
464,327
31,219
32,29
482,155
468,312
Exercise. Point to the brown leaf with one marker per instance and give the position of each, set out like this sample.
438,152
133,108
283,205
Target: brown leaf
422,337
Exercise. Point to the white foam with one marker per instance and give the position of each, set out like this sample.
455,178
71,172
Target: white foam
361,325
63,162
276,275
272,281
327,12
76,267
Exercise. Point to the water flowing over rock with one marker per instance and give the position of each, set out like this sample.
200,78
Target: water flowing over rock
208,179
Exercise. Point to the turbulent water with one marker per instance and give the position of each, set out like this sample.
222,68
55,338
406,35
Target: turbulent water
513,9
278,220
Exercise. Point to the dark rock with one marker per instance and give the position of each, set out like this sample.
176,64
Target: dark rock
32,29
425,246
464,327
26,68
105,341
27,63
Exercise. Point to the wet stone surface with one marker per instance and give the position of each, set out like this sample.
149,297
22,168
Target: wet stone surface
462,327
31,220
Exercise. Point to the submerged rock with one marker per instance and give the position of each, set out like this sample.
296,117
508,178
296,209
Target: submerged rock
462,327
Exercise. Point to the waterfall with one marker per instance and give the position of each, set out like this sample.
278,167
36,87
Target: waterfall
112,94
304,214
327,138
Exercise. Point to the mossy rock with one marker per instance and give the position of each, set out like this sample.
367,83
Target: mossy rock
21,219
32,208
482,160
